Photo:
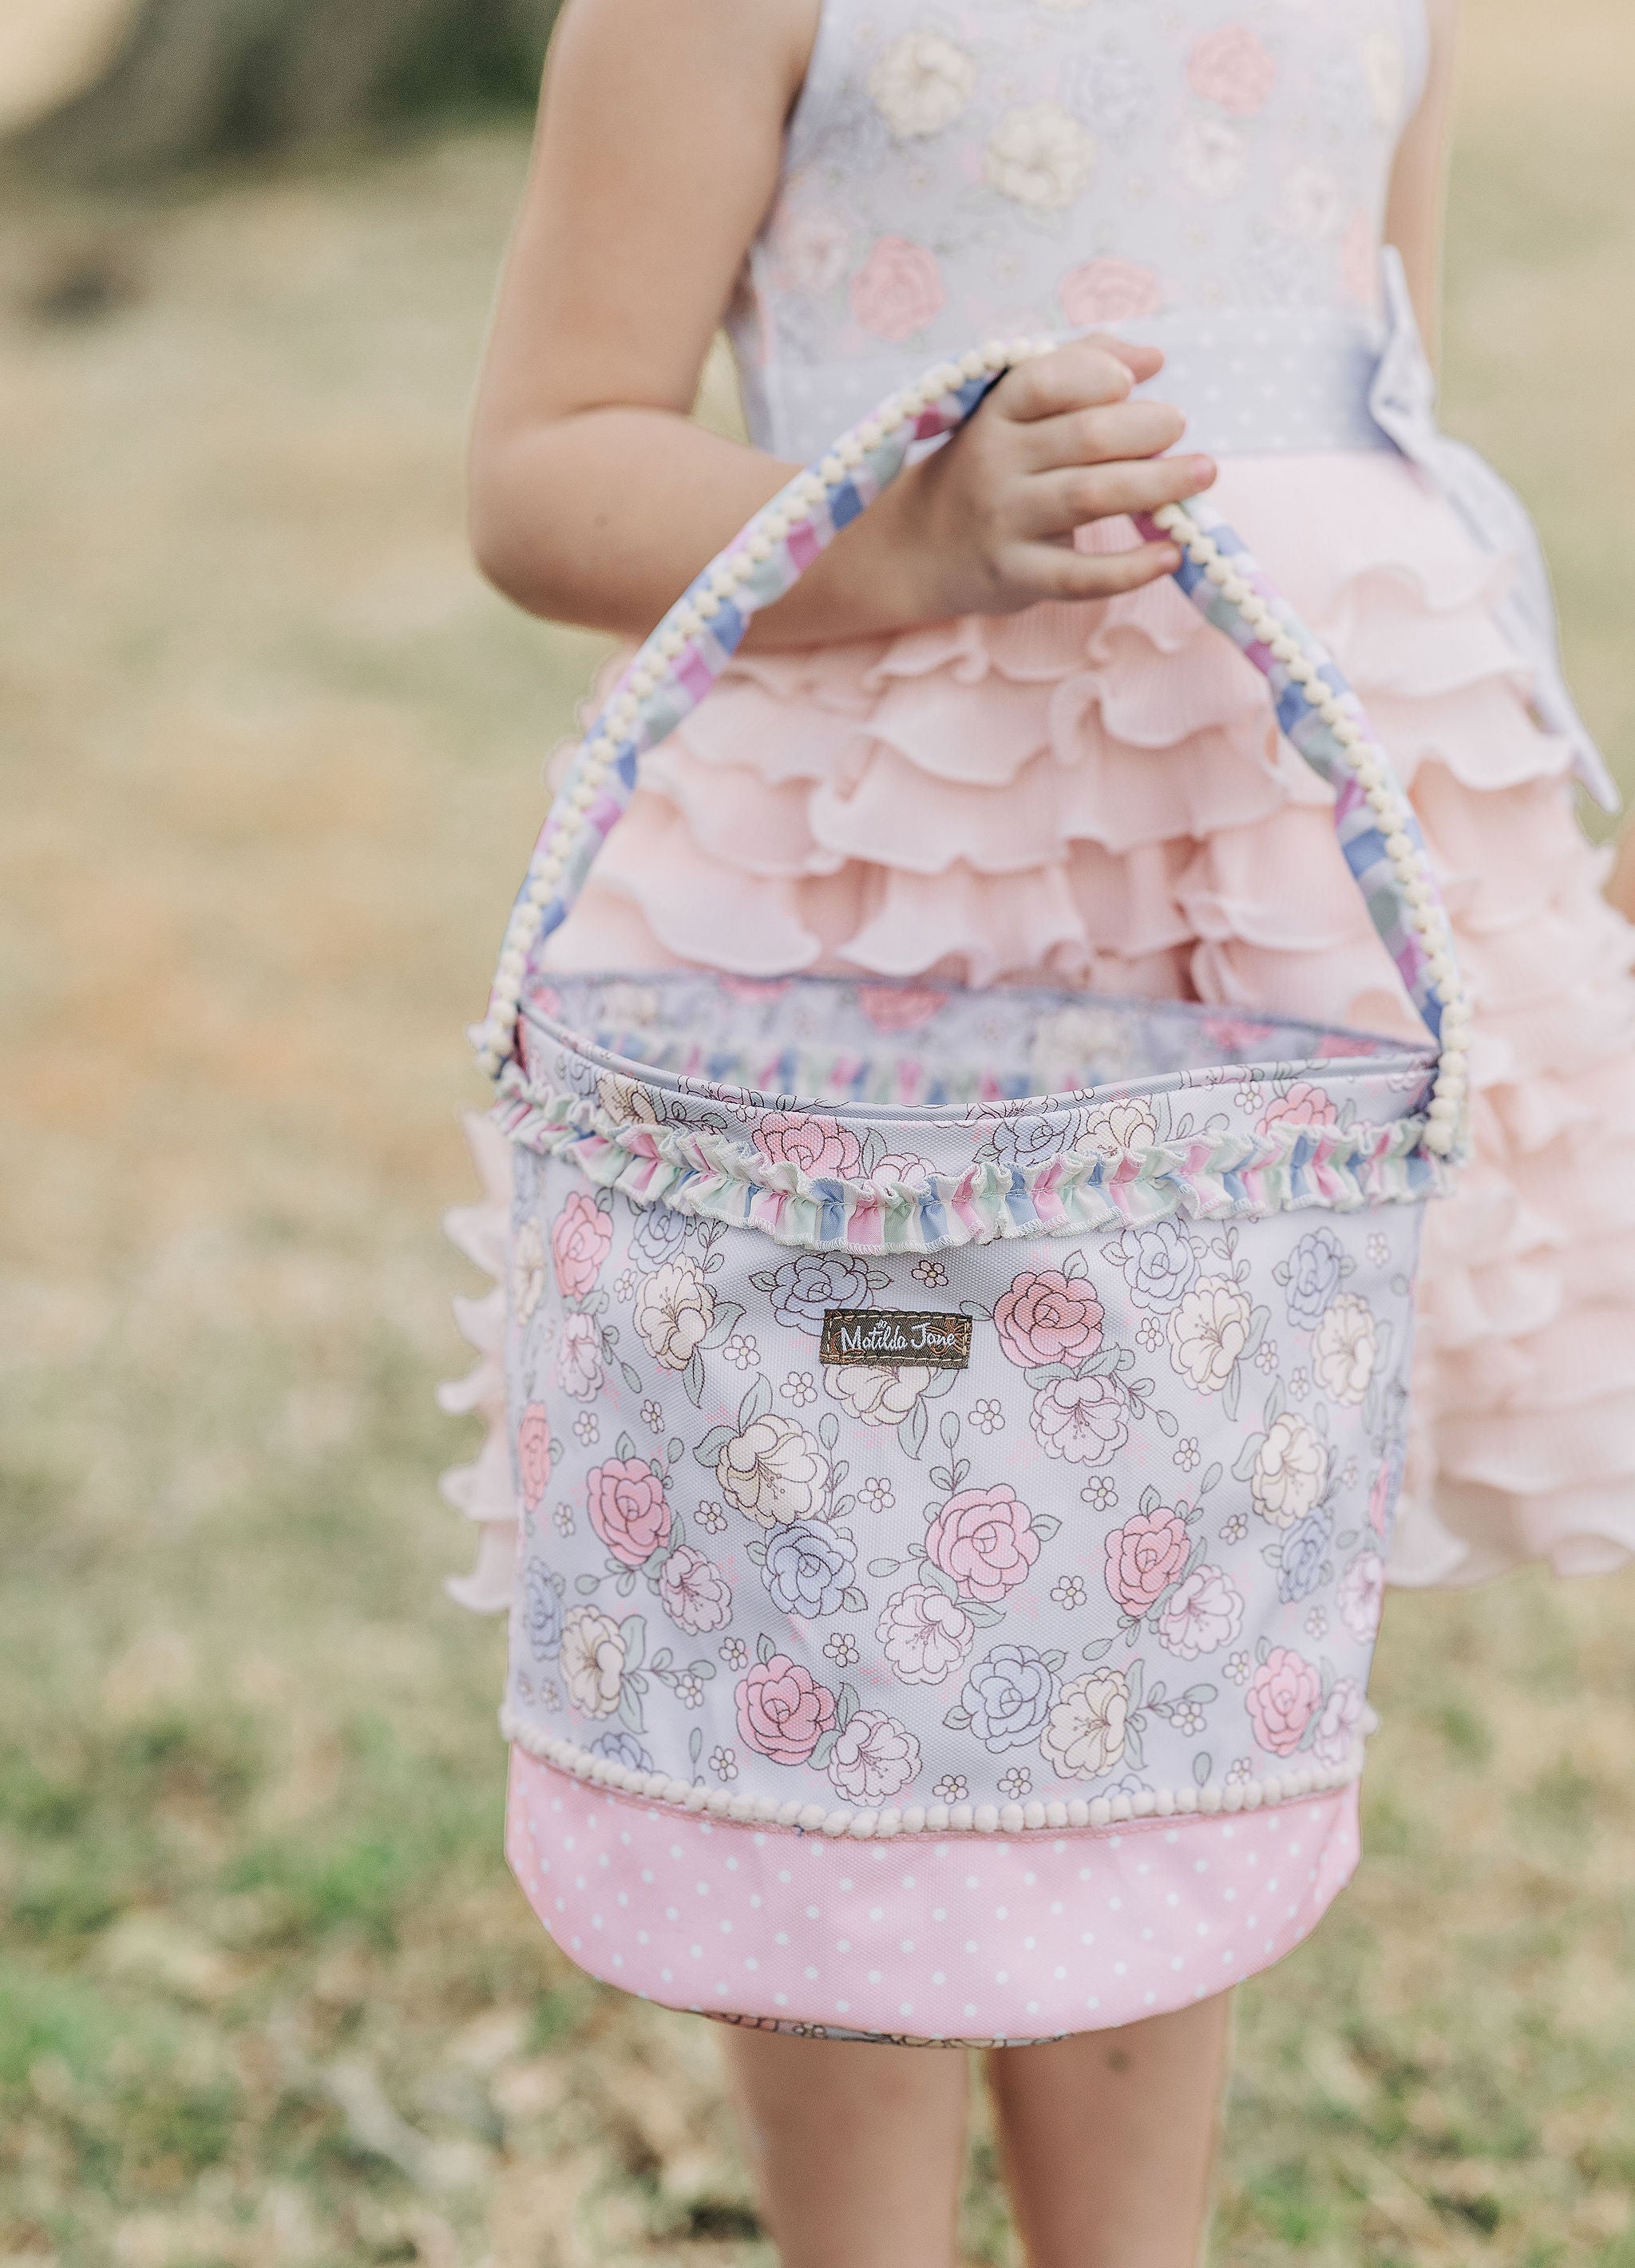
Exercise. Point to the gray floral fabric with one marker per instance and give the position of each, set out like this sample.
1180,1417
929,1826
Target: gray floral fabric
1136,1545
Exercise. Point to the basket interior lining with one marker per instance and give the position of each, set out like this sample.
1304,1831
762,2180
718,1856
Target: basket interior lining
840,1043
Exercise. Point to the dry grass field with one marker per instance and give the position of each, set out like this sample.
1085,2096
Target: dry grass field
272,756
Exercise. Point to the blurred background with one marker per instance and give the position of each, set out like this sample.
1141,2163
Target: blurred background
272,764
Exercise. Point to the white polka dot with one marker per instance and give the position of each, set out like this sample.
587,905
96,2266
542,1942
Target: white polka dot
1190,1872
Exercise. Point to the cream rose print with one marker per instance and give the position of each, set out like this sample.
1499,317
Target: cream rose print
1345,1350
528,1270
1085,1733
766,1465
1040,155
607,1669
869,1637
678,1315
674,1309
592,1661
920,83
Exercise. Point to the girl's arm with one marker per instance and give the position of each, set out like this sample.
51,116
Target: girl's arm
1417,207
595,499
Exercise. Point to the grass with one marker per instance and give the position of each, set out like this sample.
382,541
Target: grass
266,1994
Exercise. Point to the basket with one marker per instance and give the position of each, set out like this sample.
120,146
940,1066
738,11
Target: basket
942,1415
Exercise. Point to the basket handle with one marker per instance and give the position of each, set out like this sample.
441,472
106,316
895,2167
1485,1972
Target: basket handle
1317,709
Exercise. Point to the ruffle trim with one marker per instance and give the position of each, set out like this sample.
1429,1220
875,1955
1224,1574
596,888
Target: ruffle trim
1289,1168
1097,794
1093,1812
484,1490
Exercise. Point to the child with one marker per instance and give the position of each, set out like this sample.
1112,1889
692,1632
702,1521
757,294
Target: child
985,739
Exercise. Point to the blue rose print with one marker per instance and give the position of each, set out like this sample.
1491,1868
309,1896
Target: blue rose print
809,1568
541,1612
658,1234
804,1287
1008,1694
1305,1551
1159,1261
623,1748
1316,1270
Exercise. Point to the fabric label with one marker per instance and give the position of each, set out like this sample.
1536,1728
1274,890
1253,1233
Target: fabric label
892,1339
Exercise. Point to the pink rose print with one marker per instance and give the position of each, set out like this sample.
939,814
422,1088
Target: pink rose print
1109,290
783,1711
1044,1317
693,1591
1345,1044
579,1239
1335,1737
874,1757
533,1454
1145,1557
755,989
1238,1036
900,1007
898,290
813,1144
1360,1596
1204,1612
1086,1420
1301,1106
1380,1499
1286,1694
628,1509
984,1539
1359,260
810,250
1231,67
895,1168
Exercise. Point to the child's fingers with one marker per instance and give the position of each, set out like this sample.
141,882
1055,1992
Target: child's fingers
1093,437
1057,571
1075,377
1054,504
1142,362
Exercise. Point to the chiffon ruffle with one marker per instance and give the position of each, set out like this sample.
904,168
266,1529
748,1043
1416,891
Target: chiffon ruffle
1096,795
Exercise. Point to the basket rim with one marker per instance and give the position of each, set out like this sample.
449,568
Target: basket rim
1387,1053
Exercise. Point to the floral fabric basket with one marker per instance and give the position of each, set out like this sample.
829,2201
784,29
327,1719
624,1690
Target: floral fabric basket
941,1415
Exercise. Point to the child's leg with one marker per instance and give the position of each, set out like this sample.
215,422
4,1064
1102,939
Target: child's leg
1108,2139
857,2150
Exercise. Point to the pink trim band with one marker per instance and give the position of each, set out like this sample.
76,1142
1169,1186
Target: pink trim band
943,1939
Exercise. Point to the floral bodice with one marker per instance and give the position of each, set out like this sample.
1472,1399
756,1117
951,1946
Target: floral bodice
958,168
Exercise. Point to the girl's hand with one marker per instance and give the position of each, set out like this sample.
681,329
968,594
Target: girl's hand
595,498
986,525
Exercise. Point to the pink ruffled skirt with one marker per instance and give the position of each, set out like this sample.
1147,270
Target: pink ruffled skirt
1096,796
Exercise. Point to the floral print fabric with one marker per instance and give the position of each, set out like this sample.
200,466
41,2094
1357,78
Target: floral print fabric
960,168
1135,1547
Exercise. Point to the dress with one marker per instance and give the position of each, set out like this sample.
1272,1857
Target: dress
1095,796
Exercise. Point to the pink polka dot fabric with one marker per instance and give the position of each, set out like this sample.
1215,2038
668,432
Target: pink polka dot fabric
954,1937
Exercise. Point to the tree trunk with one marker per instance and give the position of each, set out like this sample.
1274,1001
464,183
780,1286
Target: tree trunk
196,79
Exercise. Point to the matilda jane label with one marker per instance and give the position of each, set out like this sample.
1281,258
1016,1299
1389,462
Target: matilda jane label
888,1338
